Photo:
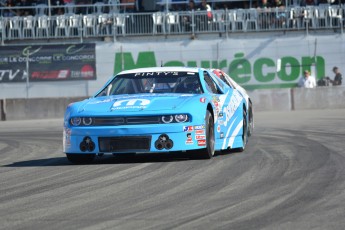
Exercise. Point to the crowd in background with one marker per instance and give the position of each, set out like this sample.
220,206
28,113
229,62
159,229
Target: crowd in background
137,6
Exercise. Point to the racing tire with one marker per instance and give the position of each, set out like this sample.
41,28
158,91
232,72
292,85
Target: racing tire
209,151
80,158
250,121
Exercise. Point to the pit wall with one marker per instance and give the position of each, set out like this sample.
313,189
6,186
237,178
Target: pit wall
263,100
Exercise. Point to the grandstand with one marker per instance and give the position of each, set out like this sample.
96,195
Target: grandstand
113,20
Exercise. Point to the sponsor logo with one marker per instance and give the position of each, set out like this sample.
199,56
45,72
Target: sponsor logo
189,140
187,128
202,100
102,101
201,142
258,72
27,52
131,104
199,132
230,109
200,137
12,74
73,49
87,71
54,74
197,127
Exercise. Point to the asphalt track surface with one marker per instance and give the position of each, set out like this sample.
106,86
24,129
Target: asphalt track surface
291,176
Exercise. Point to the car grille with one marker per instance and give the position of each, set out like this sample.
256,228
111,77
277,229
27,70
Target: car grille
109,121
124,144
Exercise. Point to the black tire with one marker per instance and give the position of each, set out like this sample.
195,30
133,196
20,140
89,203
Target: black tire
209,151
250,121
80,158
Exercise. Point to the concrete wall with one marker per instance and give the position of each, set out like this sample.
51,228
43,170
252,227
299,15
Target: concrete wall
35,108
320,98
263,100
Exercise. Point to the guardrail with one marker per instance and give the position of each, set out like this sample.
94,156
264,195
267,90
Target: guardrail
115,24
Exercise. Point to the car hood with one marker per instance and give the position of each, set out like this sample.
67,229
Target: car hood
131,103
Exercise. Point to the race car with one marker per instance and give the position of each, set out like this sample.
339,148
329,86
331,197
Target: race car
156,110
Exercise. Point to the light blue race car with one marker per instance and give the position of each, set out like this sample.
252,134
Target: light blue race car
160,109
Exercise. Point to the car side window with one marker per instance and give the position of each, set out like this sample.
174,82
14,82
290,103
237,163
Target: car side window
228,81
210,85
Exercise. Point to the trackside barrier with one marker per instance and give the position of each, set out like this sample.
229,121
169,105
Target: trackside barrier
2,110
331,97
263,100
35,108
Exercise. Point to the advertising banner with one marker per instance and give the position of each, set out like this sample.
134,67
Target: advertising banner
47,63
253,62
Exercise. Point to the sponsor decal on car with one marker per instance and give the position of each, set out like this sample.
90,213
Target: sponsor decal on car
200,137
201,142
220,122
138,103
187,128
102,101
200,132
197,127
230,109
168,73
189,140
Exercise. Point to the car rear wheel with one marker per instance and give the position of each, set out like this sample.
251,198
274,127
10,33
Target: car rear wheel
208,152
250,120
80,158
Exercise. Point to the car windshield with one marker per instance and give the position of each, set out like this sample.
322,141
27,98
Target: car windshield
154,82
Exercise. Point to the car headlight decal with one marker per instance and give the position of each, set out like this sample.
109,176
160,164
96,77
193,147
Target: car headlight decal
181,118
87,121
167,119
75,121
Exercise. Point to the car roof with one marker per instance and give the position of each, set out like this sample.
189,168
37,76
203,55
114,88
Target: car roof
162,69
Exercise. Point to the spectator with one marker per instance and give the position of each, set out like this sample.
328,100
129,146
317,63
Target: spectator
264,4
191,6
25,11
337,77
10,12
265,14
280,16
206,7
307,81
56,8
187,18
82,6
